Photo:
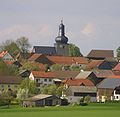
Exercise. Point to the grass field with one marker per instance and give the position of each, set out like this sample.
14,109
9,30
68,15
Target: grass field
92,110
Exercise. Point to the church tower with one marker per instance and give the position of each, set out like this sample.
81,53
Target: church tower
61,45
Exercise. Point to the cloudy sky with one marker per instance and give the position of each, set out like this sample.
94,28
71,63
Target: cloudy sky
90,24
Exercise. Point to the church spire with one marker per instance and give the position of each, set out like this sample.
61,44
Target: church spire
61,38
61,29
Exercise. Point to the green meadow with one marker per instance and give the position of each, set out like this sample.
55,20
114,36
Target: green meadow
92,110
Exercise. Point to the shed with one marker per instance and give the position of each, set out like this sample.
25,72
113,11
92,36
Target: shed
42,100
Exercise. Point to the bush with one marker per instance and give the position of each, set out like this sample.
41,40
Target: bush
87,99
83,104
74,104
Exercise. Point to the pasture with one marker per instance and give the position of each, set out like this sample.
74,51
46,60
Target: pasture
92,110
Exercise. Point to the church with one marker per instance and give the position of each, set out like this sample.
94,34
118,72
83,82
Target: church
61,45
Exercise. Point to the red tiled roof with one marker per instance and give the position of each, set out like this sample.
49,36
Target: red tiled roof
42,67
67,60
34,57
114,76
95,63
117,67
43,74
78,82
3,53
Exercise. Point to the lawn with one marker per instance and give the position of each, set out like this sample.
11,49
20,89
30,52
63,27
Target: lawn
92,110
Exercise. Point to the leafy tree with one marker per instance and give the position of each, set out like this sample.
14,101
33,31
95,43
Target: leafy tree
22,94
87,99
11,47
59,90
75,68
53,90
29,85
8,69
74,50
56,67
24,45
31,66
6,98
118,52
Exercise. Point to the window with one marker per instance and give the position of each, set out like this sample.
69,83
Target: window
116,97
50,80
45,80
37,80
8,86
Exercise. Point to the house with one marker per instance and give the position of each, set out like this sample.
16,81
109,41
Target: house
4,55
102,64
100,54
106,87
40,58
68,60
79,88
42,78
63,60
42,100
94,64
98,75
9,82
75,93
116,93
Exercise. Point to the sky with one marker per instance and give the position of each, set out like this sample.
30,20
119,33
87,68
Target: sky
89,24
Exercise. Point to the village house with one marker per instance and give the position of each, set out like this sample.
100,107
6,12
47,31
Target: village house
100,54
47,78
42,78
102,64
80,88
4,55
62,60
98,75
9,83
106,88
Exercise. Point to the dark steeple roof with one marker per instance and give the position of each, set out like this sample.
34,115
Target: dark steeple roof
61,38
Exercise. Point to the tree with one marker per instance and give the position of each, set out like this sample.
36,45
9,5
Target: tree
118,52
74,50
28,85
31,66
56,67
75,68
23,45
6,98
11,47
8,69
53,90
